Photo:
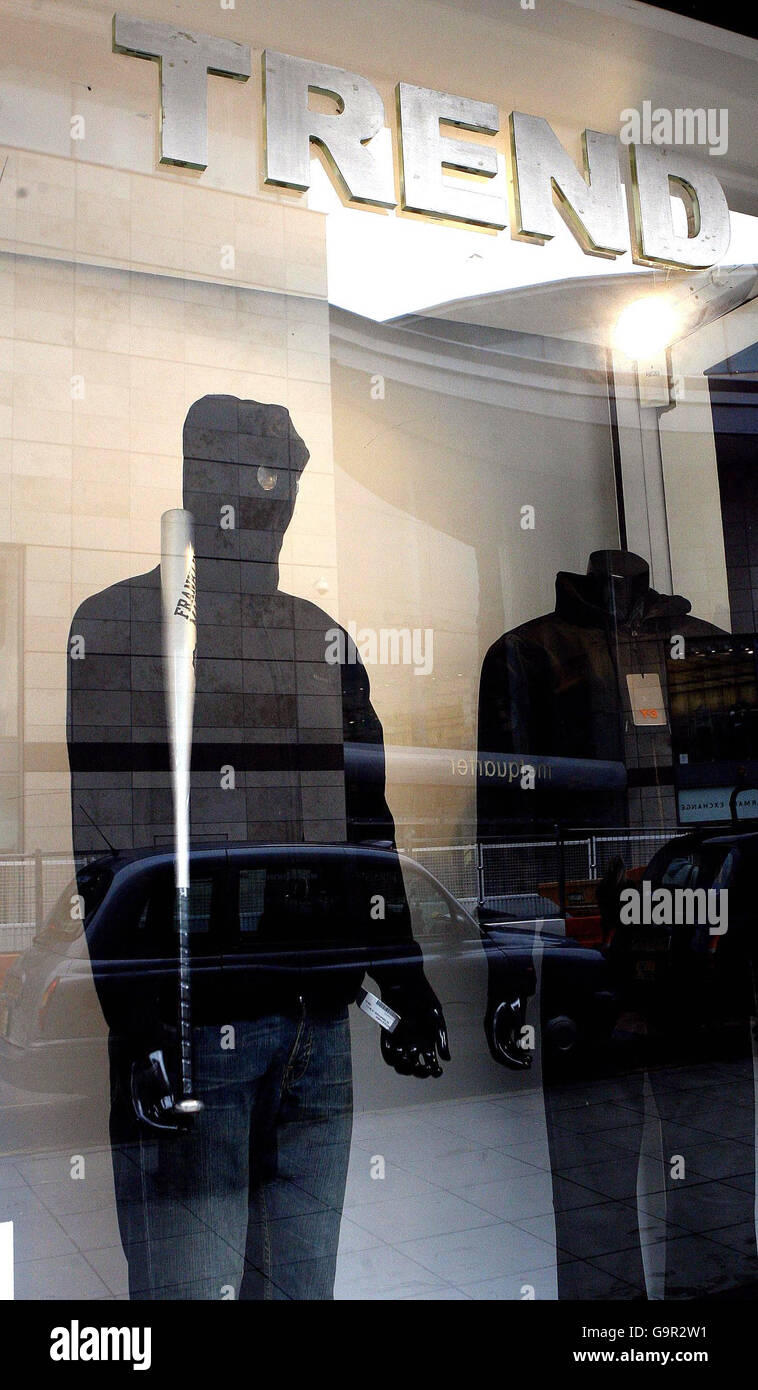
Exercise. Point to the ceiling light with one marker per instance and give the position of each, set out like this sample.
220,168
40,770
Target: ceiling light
646,327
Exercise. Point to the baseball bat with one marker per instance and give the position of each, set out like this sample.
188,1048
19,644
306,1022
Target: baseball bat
179,643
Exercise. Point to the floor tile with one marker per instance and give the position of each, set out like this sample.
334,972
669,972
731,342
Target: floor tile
507,1200
59,1277
91,1230
740,1237
494,1251
383,1271
35,1232
589,1231
110,1266
55,1167
410,1218
721,1158
704,1206
364,1189
534,1285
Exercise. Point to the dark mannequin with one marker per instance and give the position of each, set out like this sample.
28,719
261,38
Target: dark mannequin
557,686
270,708
623,580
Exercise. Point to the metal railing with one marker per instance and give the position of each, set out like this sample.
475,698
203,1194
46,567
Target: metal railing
456,867
30,885
506,875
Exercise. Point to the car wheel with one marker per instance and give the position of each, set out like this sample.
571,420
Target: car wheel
561,1035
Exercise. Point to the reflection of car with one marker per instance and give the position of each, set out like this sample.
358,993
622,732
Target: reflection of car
263,916
695,971
577,999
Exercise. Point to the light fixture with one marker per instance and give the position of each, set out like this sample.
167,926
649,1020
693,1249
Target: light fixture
646,327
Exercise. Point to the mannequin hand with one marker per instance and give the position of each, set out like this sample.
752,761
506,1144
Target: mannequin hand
152,1091
413,1047
503,1022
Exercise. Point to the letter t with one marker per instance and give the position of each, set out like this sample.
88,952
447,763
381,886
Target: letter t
185,59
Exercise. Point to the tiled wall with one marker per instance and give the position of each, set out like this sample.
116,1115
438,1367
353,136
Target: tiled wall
100,364
91,213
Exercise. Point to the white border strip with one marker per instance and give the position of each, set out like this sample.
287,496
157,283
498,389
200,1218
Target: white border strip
6,1261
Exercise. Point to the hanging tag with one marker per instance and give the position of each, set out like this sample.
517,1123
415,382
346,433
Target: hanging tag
381,1013
646,698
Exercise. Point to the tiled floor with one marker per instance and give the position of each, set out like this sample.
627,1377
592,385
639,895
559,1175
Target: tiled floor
465,1209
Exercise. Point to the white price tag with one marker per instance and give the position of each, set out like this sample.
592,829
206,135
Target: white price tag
646,699
381,1013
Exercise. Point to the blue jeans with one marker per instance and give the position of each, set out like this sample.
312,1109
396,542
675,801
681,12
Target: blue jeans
247,1203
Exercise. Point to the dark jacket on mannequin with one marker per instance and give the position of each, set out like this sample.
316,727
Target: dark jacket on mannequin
555,687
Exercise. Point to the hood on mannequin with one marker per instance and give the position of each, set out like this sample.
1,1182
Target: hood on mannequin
242,466
622,579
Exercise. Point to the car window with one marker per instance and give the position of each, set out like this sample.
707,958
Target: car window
704,867
431,915
252,897
75,907
154,913
379,898
292,898
199,913
679,872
